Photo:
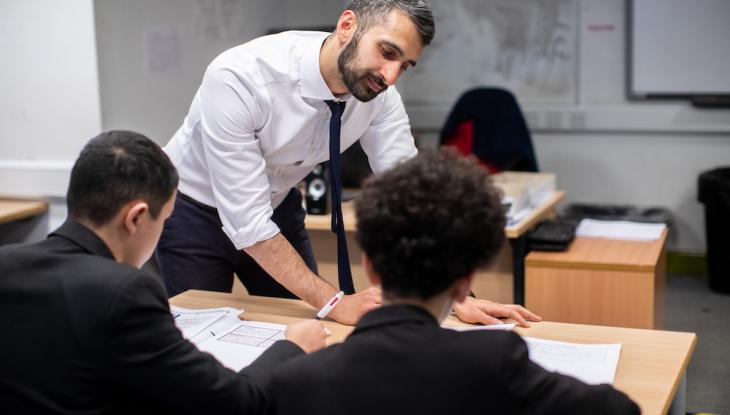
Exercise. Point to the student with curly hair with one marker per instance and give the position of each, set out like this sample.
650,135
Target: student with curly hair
424,228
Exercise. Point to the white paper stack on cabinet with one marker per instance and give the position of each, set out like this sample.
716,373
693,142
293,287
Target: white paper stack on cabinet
523,191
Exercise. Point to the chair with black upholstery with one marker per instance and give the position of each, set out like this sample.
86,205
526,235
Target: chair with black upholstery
488,123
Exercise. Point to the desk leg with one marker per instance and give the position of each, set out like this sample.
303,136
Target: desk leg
679,403
519,251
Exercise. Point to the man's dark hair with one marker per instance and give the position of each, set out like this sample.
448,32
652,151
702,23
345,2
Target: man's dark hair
429,221
372,12
115,168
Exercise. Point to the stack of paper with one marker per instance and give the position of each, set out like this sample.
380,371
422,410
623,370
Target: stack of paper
219,331
523,191
591,363
617,229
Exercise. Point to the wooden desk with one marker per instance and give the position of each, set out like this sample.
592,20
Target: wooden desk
23,220
503,282
651,366
600,281
17,209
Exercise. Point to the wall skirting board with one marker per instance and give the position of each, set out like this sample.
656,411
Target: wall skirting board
687,263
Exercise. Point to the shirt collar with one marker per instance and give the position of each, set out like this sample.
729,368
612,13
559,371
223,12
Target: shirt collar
83,237
396,314
312,82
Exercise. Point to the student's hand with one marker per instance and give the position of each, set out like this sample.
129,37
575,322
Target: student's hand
309,335
476,311
352,307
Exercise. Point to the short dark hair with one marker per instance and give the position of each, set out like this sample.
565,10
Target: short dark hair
429,221
115,168
372,12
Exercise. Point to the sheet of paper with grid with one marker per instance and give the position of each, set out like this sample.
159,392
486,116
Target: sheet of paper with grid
242,343
194,322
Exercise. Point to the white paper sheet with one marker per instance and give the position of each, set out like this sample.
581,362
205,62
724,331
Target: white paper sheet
239,346
591,363
634,231
193,322
505,327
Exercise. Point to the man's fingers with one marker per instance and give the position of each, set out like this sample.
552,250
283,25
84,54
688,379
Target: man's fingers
486,319
517,317
527,314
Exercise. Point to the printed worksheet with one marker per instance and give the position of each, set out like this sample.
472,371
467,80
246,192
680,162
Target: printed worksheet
591,363
193,322
241,344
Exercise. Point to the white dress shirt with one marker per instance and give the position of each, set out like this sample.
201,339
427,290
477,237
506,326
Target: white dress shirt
258,125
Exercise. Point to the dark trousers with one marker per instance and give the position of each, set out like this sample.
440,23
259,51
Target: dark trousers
195,253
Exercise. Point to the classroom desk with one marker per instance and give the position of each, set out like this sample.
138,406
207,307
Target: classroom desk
650,370
503,282
12,210
23,220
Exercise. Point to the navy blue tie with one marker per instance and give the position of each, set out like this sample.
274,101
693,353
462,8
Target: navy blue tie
344,275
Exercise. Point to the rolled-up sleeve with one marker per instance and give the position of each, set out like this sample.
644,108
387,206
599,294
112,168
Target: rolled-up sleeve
388,139
230,116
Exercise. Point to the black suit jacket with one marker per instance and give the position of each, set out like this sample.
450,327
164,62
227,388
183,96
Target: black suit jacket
82,333
399,361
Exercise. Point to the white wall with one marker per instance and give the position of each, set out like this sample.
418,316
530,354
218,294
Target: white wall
50,93
152,53
49,106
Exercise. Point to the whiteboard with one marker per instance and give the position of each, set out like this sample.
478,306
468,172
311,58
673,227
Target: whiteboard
680,47
528,47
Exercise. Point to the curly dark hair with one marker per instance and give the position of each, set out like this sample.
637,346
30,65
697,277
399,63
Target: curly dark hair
429,221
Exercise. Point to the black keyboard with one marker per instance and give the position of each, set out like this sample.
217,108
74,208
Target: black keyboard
551,235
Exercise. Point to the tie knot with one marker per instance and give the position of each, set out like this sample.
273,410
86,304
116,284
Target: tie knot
337,107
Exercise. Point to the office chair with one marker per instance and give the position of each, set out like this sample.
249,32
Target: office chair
488,123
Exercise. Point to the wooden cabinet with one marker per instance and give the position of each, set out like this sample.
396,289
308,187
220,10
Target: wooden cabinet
599,281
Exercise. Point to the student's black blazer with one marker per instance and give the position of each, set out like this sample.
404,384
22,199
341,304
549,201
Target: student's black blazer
83,334
399,361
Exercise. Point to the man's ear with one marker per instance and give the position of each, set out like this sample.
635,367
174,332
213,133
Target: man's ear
373,277
134,212
462,288
346,26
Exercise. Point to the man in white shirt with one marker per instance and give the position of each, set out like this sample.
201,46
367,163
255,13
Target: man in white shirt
259,123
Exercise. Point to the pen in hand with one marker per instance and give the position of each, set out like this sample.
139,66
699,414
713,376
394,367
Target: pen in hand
329,306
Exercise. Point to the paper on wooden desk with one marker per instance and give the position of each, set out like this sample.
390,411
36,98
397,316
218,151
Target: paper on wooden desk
618,229
591,363
243,343
193,322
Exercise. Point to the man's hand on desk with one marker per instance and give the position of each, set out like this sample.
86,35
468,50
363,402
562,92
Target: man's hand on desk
309,335
352,307
476,311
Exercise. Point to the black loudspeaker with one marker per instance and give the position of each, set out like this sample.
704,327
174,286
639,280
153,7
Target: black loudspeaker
317,190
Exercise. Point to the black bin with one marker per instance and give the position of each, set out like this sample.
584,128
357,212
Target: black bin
714,193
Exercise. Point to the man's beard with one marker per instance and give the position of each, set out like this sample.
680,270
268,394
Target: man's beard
356,80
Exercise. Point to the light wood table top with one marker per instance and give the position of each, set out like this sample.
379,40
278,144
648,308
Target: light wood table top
649,370
323,222
603,254
17,209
